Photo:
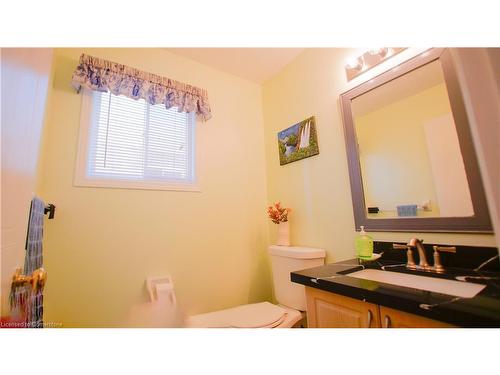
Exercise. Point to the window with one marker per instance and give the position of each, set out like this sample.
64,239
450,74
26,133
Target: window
129,143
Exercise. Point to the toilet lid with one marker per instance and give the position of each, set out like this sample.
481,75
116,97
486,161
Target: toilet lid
256,315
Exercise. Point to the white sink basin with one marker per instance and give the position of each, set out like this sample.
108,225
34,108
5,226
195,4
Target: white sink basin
430,284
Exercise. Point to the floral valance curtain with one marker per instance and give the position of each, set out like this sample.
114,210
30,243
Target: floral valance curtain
103,75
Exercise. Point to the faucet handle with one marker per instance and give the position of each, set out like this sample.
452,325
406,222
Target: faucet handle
409,254
446,249
398,246
438,267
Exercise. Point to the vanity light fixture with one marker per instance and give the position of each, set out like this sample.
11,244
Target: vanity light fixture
374,56
380,51
355,64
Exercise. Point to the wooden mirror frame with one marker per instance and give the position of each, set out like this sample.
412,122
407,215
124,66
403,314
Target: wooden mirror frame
480,222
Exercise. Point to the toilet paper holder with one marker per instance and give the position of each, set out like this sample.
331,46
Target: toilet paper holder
161,288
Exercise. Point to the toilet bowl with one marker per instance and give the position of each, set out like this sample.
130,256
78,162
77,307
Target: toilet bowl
255,315
291,306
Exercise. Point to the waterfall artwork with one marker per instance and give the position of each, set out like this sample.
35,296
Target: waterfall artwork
298,141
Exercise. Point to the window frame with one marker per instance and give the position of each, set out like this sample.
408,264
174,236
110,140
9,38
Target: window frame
82,179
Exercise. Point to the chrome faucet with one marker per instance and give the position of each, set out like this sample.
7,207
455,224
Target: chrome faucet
422,259
423,265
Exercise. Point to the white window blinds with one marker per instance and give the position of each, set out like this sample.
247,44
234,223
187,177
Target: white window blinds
133,140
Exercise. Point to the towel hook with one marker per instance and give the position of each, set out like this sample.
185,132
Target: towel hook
50,209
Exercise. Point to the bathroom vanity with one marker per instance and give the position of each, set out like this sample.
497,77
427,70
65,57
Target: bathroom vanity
412,168
347,294
331,310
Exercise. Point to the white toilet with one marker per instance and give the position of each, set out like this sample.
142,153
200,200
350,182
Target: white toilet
290,296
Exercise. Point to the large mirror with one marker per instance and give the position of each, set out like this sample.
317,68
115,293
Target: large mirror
411,159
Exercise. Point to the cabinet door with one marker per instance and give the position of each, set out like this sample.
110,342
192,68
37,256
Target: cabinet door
330,310
398,319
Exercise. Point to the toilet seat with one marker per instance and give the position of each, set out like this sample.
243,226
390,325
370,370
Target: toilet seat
256,315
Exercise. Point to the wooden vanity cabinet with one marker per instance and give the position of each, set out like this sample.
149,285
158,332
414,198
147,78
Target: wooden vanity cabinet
330,310
391,318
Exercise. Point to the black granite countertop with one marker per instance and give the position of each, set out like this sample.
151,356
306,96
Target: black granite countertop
483,310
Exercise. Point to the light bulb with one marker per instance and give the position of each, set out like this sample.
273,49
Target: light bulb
354,63
381,51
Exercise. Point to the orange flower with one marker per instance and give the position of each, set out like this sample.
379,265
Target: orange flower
277,213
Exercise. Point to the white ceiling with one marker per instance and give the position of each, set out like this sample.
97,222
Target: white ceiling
254,64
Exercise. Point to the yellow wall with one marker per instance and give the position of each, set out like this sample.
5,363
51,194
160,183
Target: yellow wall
103,242
318,188
393,150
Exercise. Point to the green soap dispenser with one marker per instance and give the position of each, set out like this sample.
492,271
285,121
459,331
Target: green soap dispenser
364,245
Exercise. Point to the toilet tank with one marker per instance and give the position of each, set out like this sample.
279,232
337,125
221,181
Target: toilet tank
286,259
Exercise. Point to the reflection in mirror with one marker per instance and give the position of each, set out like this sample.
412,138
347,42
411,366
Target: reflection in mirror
409,153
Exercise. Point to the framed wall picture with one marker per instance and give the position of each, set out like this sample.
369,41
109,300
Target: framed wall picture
299,141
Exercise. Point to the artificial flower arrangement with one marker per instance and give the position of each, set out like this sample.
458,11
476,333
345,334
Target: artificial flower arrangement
277,213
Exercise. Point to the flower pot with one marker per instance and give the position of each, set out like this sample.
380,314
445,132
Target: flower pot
283,234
